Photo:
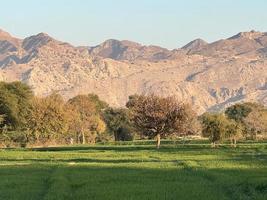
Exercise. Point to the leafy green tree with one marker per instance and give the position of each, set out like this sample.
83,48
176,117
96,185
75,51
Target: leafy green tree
48,119
214,127
118,123
98,103
157,116
15,104
88,122
238,111
233,131
246,115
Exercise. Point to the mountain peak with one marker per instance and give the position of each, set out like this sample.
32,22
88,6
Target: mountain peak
36,41
195,45
42,34
249,35
126,43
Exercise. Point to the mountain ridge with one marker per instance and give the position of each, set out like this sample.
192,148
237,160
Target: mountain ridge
211,76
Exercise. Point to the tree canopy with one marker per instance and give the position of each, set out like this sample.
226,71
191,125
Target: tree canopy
15,104
156,116
118,123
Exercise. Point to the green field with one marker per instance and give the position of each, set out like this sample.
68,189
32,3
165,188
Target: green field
135,171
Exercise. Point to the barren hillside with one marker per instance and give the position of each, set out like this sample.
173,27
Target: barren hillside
210,76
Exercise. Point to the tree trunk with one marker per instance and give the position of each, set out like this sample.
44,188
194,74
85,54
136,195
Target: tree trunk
158,141
235,142
83,138
256,135
183,139
213,145
78,141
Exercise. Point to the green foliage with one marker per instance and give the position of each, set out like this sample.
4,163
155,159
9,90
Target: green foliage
15,104
25,119
238,111
118,123
214,127
86,121
233,129
48,120
98,103
251,116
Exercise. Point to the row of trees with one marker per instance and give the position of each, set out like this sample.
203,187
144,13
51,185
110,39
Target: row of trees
26,119
239,121
163,117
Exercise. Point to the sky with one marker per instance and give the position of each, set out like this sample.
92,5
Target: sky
167,23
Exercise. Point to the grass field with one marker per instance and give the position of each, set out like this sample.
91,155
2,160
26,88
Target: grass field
135,171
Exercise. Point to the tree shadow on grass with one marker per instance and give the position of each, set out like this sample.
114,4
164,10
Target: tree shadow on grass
164,148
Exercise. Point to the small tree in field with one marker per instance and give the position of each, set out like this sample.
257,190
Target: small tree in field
233,131
157,116
219,128
256,122
118,123
214,127
251,116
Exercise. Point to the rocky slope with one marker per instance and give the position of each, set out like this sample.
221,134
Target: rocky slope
210,76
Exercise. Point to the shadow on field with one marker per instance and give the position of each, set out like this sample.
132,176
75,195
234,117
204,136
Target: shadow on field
85,160
239,157
122,148
88,182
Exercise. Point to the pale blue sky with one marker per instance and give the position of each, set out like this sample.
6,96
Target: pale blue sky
168,23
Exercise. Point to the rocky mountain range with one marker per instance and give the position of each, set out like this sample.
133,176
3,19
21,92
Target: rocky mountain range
211,76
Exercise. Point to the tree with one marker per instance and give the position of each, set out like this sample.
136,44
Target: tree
15,104
233,131
246,114
239,111
214,127
256,122
191,124
157,116
87,122
118,123
98,128
98,103
48,118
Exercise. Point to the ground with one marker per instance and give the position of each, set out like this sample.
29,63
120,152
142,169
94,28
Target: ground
135,171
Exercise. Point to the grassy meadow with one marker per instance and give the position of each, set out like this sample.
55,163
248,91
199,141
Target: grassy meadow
135,171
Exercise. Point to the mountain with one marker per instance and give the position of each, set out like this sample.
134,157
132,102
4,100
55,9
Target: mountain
195,45
127,50
211,76
242,43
